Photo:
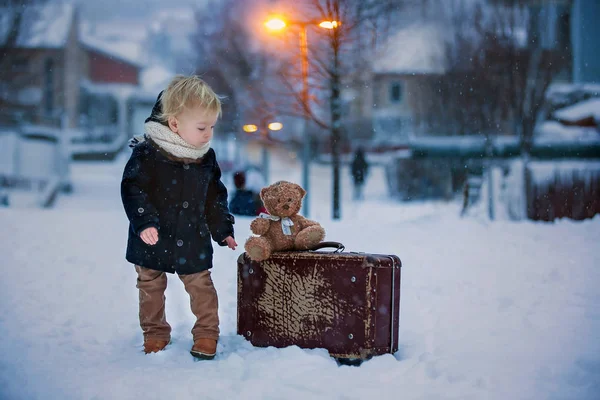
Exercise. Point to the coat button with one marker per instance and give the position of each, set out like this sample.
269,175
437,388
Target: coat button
140,210
186,204
185,166
180,243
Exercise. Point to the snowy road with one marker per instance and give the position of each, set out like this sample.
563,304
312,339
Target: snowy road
488,311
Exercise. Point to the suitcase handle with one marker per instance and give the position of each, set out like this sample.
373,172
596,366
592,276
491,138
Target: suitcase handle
324,245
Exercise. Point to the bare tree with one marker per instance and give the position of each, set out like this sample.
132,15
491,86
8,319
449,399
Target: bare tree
271,79
498,71
227,45
335,54
221,44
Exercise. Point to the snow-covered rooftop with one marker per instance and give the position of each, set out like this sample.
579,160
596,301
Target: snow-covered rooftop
42,26
127,51
121,91
566,88
416,49
579,111
115,29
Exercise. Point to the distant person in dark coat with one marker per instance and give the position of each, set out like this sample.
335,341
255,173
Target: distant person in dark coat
175,201
244,201
359,170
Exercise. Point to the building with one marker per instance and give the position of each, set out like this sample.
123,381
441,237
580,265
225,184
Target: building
385,104
410,86
56,75
40,71
571,27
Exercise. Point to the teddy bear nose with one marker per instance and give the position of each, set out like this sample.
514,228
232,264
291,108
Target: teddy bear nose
286,207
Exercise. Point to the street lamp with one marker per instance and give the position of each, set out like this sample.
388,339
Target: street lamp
277,24
275,126
264,133
250,128
329,24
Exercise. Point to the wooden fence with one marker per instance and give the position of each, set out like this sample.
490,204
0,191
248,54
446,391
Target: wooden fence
564,190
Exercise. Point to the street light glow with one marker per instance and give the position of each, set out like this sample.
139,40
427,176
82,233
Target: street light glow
275,24
278,24
250,128
275,126
329,24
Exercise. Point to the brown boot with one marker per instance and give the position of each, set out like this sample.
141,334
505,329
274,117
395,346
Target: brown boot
204,349
154,345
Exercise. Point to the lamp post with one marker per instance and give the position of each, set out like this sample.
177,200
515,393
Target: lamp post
306,138
264,137
277,24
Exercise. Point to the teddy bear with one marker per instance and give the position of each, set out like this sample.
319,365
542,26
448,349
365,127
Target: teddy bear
283,228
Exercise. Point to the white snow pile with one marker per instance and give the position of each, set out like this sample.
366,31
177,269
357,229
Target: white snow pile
8,145
553,131
547,172
570,88
585,109
488,310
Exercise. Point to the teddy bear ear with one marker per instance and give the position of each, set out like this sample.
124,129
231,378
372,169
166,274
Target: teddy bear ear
263,192
301,190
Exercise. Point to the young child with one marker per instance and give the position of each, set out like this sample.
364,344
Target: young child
175,201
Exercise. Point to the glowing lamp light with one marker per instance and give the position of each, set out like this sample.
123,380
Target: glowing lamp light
275,24
329,24
250,128
275,126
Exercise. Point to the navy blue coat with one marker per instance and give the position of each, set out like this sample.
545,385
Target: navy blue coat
186,202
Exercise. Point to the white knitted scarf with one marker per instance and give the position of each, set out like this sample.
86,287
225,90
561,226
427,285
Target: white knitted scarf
171,142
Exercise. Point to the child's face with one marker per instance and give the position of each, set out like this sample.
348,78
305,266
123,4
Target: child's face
195,125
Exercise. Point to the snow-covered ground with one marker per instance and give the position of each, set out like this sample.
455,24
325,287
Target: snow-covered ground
488,310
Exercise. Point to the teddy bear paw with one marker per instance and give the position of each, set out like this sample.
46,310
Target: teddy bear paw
258,248
309,237
257,253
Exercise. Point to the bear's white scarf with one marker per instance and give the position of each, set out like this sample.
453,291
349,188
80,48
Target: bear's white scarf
171,142
286,222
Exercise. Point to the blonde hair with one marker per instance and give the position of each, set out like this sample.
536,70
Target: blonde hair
186,92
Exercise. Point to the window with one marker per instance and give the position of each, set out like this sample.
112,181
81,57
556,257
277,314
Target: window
396,92
98,110
49,86
20,64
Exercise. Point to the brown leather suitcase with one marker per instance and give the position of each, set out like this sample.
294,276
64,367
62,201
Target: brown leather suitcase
345,302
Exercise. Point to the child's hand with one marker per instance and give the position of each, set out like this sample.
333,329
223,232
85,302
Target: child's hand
230,242
150,236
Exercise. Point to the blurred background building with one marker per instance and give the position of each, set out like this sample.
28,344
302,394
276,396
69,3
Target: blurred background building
487,101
